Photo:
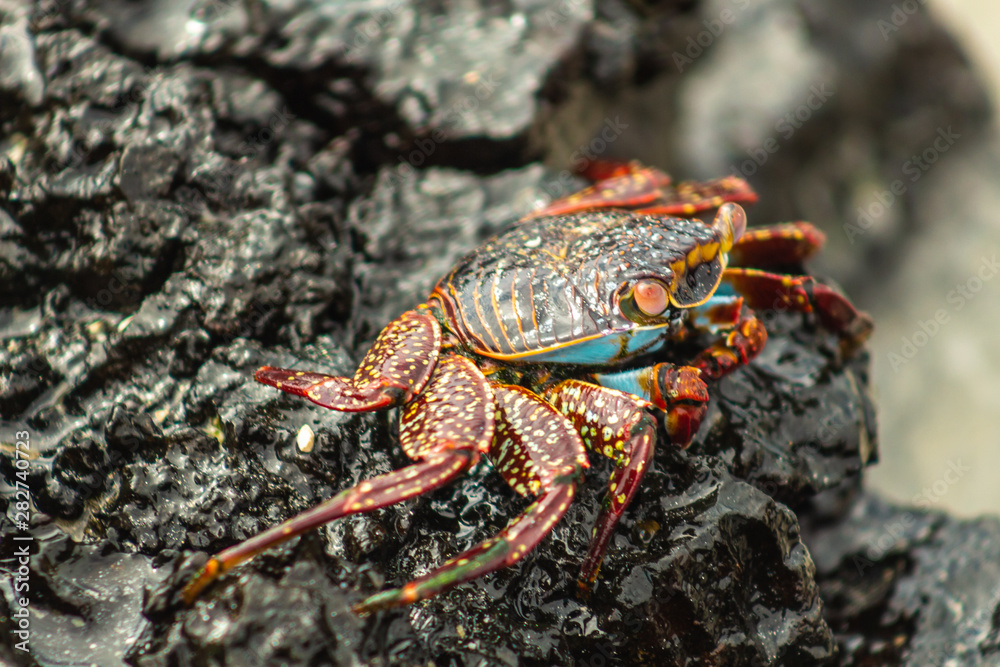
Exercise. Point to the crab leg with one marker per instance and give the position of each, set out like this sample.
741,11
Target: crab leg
520,537
778,292
373,494
537,451
445,429
787,246
617,425
648,190
393,371
777,246
602,170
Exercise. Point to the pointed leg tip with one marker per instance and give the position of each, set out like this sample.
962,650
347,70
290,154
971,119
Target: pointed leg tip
190,593
856,334
362,610
381,601
838,314
208,573
588,577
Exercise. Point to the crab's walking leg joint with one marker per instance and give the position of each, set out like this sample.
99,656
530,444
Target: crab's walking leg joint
786,247
616,425
395,369
775,292
445,429
537,451
738,346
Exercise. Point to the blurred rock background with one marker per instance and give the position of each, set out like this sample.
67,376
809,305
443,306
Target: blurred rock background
894,81
943,406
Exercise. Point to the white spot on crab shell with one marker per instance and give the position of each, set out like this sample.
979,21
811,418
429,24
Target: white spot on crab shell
533,243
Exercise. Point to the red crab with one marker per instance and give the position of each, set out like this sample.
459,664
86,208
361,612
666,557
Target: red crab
569,308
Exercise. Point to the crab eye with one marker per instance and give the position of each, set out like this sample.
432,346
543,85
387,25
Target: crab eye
650,297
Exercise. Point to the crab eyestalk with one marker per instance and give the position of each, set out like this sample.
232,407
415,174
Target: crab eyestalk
731,223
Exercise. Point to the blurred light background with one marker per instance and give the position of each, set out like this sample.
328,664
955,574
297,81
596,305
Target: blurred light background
940,411
975,24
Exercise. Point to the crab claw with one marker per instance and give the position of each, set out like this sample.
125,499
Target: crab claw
683,396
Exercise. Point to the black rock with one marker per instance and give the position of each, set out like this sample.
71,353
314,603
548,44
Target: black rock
905,585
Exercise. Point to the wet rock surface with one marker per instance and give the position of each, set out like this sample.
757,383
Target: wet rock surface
929,581
192,190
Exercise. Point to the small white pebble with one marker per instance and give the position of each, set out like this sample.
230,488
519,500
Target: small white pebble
305,439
